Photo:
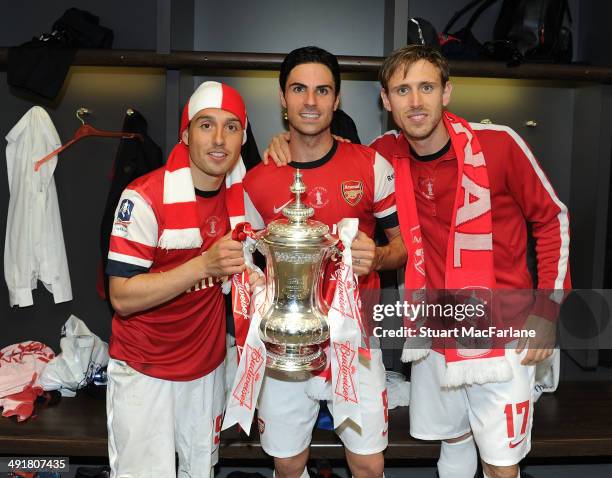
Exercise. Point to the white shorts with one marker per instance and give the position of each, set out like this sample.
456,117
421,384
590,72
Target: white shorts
149,419
500,415
287,414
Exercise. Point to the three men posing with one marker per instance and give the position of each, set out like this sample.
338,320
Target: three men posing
432,150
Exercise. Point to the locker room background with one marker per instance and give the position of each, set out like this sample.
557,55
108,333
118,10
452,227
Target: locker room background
572,139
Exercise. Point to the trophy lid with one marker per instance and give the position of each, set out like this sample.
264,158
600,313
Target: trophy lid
297,227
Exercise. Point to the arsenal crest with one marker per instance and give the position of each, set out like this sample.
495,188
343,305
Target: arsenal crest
352,191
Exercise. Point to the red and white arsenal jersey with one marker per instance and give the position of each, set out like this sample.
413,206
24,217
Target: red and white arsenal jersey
351,181
184,338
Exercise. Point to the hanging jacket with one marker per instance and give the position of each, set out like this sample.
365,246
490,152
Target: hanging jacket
344,126
134,159
34,246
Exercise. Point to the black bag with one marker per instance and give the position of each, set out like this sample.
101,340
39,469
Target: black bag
41,65
82,29
422,32
462,44
538,29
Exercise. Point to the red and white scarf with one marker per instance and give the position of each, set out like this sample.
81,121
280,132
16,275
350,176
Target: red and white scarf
469,258
181,229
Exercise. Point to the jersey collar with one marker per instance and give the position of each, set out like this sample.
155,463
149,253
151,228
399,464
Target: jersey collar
430,157
317,162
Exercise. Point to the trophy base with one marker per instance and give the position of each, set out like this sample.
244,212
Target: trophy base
295,358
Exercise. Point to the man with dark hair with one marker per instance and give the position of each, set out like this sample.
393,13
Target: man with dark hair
469,234
169,251
309,54
343,180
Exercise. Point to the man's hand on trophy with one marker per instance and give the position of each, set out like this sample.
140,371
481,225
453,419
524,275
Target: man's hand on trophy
224,258
278,149
363,250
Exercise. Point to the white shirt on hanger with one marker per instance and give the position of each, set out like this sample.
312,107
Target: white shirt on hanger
34,247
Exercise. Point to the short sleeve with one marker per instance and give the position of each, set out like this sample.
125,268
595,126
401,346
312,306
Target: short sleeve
385,210
133,238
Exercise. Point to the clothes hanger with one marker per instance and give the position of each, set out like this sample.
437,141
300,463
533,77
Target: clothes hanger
82,132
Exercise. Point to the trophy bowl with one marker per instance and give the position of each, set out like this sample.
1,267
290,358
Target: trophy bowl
294,325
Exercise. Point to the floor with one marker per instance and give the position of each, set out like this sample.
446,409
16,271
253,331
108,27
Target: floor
600,470
536,471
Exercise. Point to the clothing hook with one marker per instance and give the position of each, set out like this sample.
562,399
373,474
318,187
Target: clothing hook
81,112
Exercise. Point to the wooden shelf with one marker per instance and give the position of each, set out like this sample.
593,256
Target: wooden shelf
573,422
203,61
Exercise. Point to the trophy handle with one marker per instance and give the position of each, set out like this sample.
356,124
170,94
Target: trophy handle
335,253
258,245
326,282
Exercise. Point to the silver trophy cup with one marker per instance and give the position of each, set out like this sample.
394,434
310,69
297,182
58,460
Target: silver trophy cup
295,323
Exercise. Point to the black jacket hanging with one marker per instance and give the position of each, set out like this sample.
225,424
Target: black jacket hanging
344,126
134,159
249,152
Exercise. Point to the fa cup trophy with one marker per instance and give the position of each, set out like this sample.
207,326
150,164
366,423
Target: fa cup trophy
295,323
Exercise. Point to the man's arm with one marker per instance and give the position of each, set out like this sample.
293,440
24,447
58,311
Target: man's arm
547,215
550,228
393,255
143,291
132,249
366,256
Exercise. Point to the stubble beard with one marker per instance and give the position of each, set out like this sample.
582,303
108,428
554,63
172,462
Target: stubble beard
307,134
419,136
214,170
310,134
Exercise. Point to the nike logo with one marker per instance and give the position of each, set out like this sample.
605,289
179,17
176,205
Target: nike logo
279,209
514,445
